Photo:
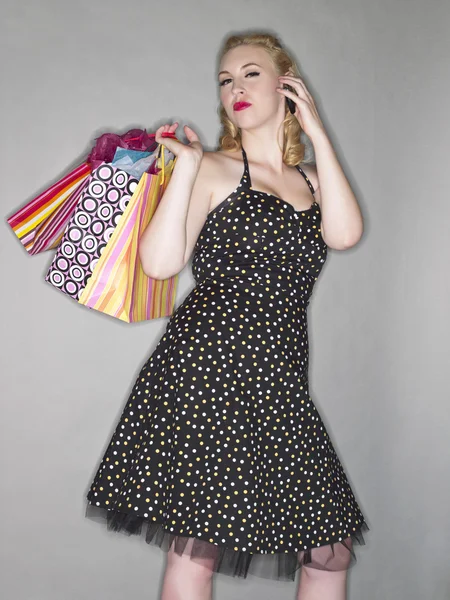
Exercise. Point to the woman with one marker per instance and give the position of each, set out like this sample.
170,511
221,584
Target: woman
220,455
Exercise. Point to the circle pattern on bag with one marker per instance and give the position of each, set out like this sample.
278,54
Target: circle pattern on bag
90,228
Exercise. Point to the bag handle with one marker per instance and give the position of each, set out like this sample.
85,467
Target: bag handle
168,134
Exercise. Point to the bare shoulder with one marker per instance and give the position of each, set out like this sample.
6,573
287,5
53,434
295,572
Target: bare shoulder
222,158
223,169
213,161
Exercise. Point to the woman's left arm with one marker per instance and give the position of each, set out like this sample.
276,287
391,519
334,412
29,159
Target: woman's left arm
342,221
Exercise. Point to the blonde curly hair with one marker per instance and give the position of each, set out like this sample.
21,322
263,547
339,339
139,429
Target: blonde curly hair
230,135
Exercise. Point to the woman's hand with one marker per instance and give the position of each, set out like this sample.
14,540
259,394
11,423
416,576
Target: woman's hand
193,150
306,111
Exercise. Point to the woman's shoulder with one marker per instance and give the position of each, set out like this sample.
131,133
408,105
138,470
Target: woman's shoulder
221,169
221,156
216,162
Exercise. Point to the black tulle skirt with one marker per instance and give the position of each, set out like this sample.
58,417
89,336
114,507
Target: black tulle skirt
281,566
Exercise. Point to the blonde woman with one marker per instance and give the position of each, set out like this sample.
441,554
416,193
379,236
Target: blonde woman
220,456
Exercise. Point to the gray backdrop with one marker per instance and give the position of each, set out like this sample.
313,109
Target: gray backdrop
378,321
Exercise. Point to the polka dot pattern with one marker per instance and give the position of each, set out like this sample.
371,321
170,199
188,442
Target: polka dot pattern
220,443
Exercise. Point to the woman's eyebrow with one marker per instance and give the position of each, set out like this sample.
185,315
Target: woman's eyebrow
243,67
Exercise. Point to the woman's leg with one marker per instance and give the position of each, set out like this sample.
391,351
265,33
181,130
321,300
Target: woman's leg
187,579
326,577
322,585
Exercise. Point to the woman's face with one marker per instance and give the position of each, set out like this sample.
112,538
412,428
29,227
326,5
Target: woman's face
256,84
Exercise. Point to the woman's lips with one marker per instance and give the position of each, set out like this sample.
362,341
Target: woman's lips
241,105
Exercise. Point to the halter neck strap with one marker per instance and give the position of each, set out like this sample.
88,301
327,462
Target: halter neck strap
247,179
246,175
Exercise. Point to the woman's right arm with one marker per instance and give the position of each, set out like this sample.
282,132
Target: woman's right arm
163,248
168,239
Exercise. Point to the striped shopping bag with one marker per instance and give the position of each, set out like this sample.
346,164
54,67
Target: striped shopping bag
97,262
40,224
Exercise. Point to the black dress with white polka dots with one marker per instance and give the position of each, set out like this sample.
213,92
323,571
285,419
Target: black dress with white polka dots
220,450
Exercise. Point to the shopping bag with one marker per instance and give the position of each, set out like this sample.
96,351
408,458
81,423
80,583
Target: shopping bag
39,224
97,262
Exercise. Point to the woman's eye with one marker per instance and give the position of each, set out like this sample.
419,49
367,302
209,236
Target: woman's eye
225,80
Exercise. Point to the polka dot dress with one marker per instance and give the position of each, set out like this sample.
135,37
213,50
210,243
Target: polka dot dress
220,452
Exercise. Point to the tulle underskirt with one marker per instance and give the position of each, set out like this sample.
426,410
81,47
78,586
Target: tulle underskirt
337,556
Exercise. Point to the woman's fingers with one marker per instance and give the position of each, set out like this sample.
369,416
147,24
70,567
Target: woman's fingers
166,129
190,134
166,135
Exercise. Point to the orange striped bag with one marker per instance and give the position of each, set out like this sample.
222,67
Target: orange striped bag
40,224
116,285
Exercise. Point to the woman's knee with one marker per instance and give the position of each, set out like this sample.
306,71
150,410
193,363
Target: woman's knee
325,577
199,567
330,558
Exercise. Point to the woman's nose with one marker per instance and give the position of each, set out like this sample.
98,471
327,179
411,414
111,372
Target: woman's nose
237,89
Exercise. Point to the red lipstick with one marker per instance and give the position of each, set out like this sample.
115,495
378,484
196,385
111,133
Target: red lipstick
241,105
